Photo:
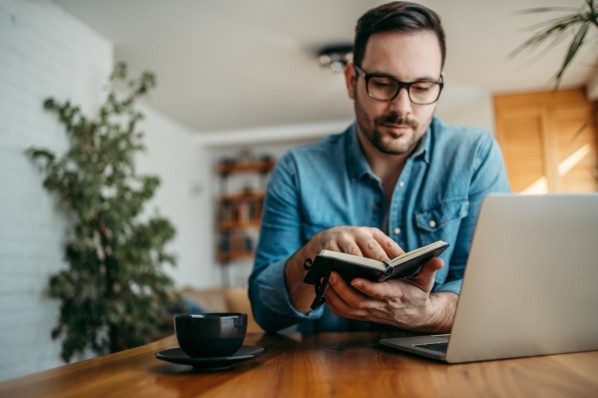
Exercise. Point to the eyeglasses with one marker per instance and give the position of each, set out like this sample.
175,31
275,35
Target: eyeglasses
386,88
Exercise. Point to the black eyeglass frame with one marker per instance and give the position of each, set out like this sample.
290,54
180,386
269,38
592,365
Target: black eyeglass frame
400,86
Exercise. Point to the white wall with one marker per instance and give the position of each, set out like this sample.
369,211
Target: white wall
183,197
45,52
465,105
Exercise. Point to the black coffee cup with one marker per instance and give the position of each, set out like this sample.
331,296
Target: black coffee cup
210,335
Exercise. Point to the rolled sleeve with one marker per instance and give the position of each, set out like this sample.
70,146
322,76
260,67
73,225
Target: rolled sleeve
280,237
453,286
275,310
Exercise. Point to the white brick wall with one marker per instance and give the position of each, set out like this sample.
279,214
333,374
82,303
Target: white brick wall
45,52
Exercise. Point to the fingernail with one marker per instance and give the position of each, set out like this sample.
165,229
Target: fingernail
332,279
356,284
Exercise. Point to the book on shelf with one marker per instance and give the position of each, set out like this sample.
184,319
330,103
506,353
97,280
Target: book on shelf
350,266
236,242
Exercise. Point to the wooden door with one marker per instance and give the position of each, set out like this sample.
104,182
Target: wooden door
548,141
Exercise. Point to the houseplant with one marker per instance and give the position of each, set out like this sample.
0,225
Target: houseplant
575,26
114,293
578,26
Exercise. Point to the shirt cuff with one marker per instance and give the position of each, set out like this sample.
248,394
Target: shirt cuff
450,286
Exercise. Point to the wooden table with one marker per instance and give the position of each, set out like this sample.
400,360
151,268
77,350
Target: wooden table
316,366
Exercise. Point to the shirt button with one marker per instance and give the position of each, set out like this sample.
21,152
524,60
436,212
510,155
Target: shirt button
432,224
397,231
401,184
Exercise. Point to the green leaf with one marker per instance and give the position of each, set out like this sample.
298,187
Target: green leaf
576,43
556,30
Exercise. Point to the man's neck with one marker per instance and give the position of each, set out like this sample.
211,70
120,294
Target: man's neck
388,167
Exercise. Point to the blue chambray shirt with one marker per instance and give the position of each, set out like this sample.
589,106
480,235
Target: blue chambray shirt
330,183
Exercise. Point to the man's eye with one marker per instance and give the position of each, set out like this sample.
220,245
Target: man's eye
383,83
421,87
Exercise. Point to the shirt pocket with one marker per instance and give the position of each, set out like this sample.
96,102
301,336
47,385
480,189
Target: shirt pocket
443,219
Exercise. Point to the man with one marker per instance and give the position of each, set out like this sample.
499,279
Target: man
395,180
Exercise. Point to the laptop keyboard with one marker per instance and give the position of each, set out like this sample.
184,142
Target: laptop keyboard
440,347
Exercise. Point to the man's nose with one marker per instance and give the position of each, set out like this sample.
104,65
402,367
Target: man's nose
401,104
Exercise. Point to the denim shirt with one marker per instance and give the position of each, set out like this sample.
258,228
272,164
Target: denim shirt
330,183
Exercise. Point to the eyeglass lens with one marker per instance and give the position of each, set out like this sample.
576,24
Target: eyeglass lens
384,88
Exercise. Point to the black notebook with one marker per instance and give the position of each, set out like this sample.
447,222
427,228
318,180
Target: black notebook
349,266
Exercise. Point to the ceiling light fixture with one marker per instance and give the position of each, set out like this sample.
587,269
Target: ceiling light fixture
333,59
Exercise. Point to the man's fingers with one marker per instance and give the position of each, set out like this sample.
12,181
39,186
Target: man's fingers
375,290
425,279
345,301
350,247
374,243
390,247
360,241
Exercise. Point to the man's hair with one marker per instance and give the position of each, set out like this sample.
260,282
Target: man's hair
399,16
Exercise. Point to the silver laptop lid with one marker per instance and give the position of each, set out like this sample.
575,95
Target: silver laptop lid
530,287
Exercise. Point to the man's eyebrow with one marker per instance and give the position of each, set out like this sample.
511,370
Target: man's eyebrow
427,78
417,79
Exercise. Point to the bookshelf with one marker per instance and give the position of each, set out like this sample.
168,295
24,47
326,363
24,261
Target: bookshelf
240,210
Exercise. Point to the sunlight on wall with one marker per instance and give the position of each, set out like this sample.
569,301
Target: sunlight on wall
537,188
540,186
572,160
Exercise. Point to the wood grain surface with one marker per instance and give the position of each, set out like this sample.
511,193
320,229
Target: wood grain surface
320,365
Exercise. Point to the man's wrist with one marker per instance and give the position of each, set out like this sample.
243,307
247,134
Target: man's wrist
441,311
301,295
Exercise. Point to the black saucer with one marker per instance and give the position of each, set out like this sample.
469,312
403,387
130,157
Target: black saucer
176,355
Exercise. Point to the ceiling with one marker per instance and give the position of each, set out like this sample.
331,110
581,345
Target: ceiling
238,64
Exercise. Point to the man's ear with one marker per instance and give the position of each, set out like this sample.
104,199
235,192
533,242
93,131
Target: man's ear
350,78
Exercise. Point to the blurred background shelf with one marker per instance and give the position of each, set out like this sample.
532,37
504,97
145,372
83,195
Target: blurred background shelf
240,206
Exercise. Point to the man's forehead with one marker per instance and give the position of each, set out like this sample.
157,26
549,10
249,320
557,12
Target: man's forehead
403,52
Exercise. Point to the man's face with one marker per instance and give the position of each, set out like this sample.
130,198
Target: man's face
395,127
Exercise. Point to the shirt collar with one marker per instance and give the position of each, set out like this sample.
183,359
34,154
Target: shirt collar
358,165
422,150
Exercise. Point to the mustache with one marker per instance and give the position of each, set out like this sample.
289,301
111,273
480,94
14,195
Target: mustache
399,120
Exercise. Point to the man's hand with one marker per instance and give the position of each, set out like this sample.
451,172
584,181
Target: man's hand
404,303
360,241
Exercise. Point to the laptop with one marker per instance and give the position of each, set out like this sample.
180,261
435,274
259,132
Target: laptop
530,285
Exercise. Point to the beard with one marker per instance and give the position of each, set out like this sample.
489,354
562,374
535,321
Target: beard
388,142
